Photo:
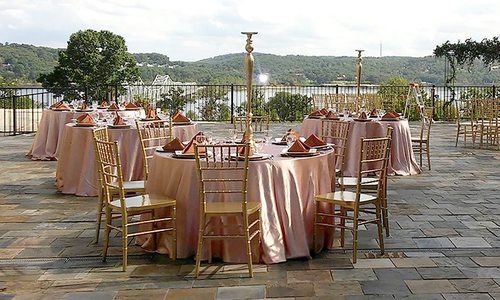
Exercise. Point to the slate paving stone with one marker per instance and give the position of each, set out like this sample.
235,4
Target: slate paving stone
469,242
413,262
385,287
191,294
353,274
483,261
336,289
477,285
90,295
434,243
430,286
291,290
468,296
308,276
483,272
141,294
397,274
440,273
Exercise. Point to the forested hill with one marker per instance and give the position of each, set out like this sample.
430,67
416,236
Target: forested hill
27,62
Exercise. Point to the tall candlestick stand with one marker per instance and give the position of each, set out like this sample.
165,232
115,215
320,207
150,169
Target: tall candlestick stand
359,66
249,61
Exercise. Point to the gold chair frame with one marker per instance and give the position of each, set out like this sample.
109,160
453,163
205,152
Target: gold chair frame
336,133
259,123
223,175
373,159
109,161
101,134
152,134
421,145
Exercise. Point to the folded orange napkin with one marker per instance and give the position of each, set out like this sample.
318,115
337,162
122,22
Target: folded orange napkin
363,116
390,115
63,106
314,141
130,105
178,117
137,104
324,111
290,132
57,104
174,145
118,120
316,113
85,119
84,106
373,113
331,115
104,104
189,149
113,107
298,146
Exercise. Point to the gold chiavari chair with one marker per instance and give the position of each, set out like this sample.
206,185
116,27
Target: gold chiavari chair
421,143
152,135
371,184
337,102
108,158
467,120
488,126
101,134
336,133
320,101
352,102
372,101
223,193
259,123
372,160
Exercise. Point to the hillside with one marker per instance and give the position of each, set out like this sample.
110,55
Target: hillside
27,62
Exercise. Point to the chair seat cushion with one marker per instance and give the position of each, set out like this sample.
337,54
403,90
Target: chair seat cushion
144,202
347,197
231,207
353,181
131,186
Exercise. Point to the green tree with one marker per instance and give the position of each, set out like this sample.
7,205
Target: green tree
174,100
289,107
213,104
259,107
92,62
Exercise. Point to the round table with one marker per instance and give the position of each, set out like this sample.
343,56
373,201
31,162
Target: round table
48,137
402,159
76,167
285,186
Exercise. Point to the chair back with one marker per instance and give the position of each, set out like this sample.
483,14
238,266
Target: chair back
222,173
320,101
108,159
336,133
259,123
152,134
100,134
373,160
426,123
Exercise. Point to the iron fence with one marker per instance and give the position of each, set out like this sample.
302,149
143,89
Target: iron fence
21,107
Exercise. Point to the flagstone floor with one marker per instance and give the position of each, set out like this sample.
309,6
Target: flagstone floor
444,243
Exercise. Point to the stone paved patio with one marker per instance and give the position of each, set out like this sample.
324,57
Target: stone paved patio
444,244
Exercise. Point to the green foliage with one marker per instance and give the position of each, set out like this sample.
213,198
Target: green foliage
141,99
213,105
92,61
259,107
25,62
174,100
22,102
289,107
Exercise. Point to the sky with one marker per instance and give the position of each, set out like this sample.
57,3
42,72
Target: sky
191,30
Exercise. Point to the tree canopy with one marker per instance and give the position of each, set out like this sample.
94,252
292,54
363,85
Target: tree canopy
465,53
92,62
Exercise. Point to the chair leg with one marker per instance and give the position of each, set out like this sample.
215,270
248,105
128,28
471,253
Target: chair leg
420,152
458,134
379,227
385,215
315,227
355,236
173,255
249,247
343,213
98,217
428,155
200,245
106,234
124,243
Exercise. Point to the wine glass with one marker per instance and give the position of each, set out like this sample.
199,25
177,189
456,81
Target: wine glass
234,135
267,137
258,146
290,139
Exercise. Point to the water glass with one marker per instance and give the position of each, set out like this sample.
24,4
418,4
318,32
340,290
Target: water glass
267,137
290,139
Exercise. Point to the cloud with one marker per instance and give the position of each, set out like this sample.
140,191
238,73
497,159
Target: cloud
196,29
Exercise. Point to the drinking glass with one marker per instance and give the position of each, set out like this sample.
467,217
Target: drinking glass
290,139
234,135
258,146
267,137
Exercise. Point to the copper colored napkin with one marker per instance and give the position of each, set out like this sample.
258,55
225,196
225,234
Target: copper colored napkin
174,145
324,111
113,107
178,117
130,105
189,149
331,115
85,119
373,113
57,104
298,146
390,115
314,141
118,120
315,113
104,104
363,116
152,114
84,106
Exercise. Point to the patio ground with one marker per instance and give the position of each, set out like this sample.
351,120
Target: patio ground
444,244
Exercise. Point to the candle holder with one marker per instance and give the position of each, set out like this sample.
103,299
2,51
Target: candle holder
359,67
249,62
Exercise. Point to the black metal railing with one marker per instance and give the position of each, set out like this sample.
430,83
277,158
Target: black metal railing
21,107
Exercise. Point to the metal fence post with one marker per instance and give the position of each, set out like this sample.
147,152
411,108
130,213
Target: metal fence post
14,114
232,103
494,90
433,98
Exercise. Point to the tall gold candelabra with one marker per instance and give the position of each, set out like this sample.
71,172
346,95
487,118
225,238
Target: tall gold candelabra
249,77
359,66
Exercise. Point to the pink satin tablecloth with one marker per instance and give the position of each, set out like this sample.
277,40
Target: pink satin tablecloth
47,139
285,187
402,159
76,169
